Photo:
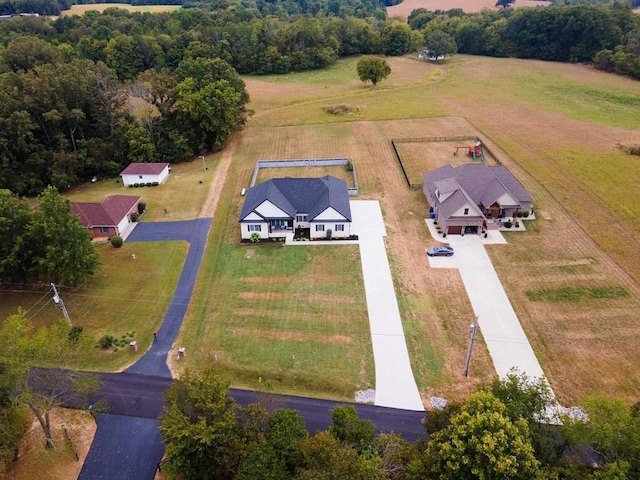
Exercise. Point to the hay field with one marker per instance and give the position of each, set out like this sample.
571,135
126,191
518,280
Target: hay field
557,127
101,7
405,8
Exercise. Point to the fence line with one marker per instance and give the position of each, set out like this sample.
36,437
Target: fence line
434,139
306,162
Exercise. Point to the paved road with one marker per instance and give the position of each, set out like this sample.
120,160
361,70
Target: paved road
141,396
395,385
154,361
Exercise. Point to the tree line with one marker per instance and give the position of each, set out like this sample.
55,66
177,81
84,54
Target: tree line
606,35
495,434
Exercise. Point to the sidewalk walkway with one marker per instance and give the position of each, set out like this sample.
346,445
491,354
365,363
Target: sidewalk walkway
395,385
505,339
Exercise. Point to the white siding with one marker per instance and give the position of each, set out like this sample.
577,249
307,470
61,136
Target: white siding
123,224
131,179
246,234
329,214
163,174
254,217
330,226
269,210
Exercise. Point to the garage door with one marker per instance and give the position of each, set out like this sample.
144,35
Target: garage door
454,230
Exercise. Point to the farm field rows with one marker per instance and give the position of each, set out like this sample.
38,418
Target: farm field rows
100,7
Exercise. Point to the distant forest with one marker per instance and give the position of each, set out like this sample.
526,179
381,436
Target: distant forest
68,86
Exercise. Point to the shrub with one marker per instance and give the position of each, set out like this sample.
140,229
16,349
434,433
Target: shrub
349,165
116,242
525,214
148,184
444,234
508,224
107,341
519,214
136,185
135,216
74,334
485,235
131,185
142,207
155,184
255,237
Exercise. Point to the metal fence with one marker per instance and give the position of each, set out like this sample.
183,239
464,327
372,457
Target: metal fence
307,162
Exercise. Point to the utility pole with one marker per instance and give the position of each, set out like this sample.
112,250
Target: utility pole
472,337
58,301
204,165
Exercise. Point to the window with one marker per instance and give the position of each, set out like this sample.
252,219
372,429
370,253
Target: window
104,229
320,227
340,228
254,228
301,218
466,211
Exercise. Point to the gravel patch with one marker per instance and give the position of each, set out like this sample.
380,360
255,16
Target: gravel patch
365,396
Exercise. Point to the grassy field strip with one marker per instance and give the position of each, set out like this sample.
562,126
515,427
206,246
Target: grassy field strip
100,7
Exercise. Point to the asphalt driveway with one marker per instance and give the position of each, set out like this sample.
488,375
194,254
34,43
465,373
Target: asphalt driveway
154,361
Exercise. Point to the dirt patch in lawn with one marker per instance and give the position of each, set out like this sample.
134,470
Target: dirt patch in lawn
307,317
297,279
295,336
61,463
315,297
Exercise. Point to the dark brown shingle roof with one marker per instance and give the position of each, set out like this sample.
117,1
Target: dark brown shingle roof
144,169
108,213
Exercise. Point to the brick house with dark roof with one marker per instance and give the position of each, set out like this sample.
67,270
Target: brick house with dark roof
308,207
110,218
469,197
145,173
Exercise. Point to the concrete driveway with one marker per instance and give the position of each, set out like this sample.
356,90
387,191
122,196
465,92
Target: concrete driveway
506,341
395,385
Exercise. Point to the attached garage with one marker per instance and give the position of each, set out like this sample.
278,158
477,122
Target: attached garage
454,230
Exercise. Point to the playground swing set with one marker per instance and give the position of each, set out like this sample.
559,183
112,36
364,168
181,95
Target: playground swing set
475,151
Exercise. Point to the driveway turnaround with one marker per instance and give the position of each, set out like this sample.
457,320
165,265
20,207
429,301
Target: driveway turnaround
154,362
124,448
506,341
395,385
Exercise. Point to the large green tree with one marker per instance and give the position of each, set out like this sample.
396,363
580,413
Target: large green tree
64,251
372,69
439,44
481,442
200,429
16,259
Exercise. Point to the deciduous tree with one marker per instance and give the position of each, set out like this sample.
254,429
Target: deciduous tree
372,69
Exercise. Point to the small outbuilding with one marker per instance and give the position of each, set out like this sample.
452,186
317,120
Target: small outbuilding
144,173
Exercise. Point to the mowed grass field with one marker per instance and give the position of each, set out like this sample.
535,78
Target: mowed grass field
556,127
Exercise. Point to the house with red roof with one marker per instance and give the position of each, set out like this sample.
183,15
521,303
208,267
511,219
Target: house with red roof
144,173
110,218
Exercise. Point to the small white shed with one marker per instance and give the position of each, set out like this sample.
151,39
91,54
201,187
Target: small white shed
144,173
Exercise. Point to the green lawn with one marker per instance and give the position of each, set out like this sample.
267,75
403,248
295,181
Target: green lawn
284,318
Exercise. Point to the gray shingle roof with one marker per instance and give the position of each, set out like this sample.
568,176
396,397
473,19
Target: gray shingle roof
304,195
476,183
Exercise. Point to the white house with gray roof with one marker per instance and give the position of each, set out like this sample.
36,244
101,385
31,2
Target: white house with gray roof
304,207
472,196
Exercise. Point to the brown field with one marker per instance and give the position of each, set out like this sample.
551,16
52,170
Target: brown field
420,157
556,141
101,7
338,171
469,6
